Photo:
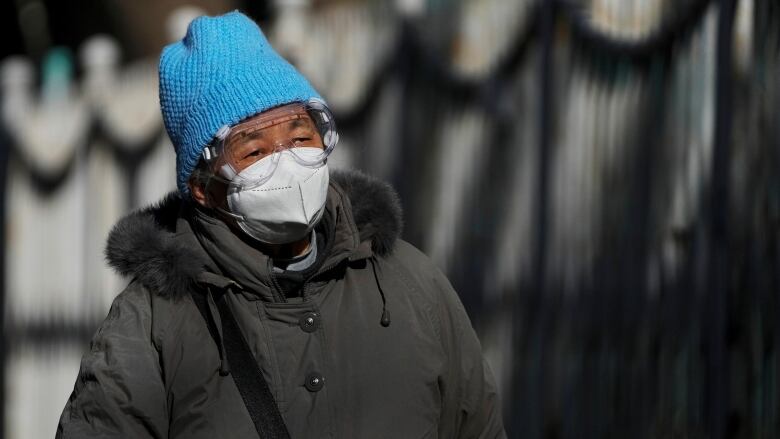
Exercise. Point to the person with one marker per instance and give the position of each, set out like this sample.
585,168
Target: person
271,296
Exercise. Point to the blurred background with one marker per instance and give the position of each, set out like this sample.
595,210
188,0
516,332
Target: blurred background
599,178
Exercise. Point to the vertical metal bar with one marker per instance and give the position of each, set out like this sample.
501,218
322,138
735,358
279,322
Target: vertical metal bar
633,291
718,231
405,59
533,413
4,153
774,281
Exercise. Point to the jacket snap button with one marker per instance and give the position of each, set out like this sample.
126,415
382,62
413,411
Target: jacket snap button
314,382
309,322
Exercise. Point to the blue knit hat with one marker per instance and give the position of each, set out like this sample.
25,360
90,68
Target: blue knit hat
223,71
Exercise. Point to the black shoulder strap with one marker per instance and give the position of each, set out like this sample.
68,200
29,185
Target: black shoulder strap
246,373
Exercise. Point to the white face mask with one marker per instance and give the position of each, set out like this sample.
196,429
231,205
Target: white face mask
287,206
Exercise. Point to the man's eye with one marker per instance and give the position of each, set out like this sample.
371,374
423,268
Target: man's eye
299,140
254,152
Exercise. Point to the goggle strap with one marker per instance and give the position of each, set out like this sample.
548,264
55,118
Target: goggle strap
209,153
223,132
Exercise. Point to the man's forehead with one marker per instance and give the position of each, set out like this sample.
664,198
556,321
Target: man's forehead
276,115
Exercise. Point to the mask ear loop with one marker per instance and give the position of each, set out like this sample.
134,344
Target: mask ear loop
231,214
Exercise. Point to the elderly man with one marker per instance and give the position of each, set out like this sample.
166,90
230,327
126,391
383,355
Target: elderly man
270,297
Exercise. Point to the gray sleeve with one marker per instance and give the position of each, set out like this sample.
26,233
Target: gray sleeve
119,390
469,400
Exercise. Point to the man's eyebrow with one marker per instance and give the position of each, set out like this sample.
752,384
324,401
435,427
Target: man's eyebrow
258,132
254,134
301,123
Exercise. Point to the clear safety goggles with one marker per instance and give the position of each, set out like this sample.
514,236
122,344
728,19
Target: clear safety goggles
262,139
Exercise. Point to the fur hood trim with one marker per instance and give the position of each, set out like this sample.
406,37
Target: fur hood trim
143,244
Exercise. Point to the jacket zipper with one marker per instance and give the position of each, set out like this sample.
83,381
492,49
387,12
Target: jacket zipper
319,272
276,289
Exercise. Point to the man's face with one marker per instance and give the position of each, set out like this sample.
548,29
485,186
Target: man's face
252,140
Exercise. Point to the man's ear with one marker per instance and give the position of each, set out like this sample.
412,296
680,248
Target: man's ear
198,192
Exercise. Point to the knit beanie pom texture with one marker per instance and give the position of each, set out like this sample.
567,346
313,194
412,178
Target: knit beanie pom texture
223,71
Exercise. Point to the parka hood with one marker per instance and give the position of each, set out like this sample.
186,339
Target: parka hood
144,244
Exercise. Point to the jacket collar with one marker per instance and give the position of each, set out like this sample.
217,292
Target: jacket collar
149,246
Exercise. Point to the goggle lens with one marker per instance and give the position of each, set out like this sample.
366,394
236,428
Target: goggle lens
245,147
288,128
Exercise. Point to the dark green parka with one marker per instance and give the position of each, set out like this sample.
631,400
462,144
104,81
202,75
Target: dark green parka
153,367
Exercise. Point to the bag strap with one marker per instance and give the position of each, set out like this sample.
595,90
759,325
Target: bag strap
245,370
